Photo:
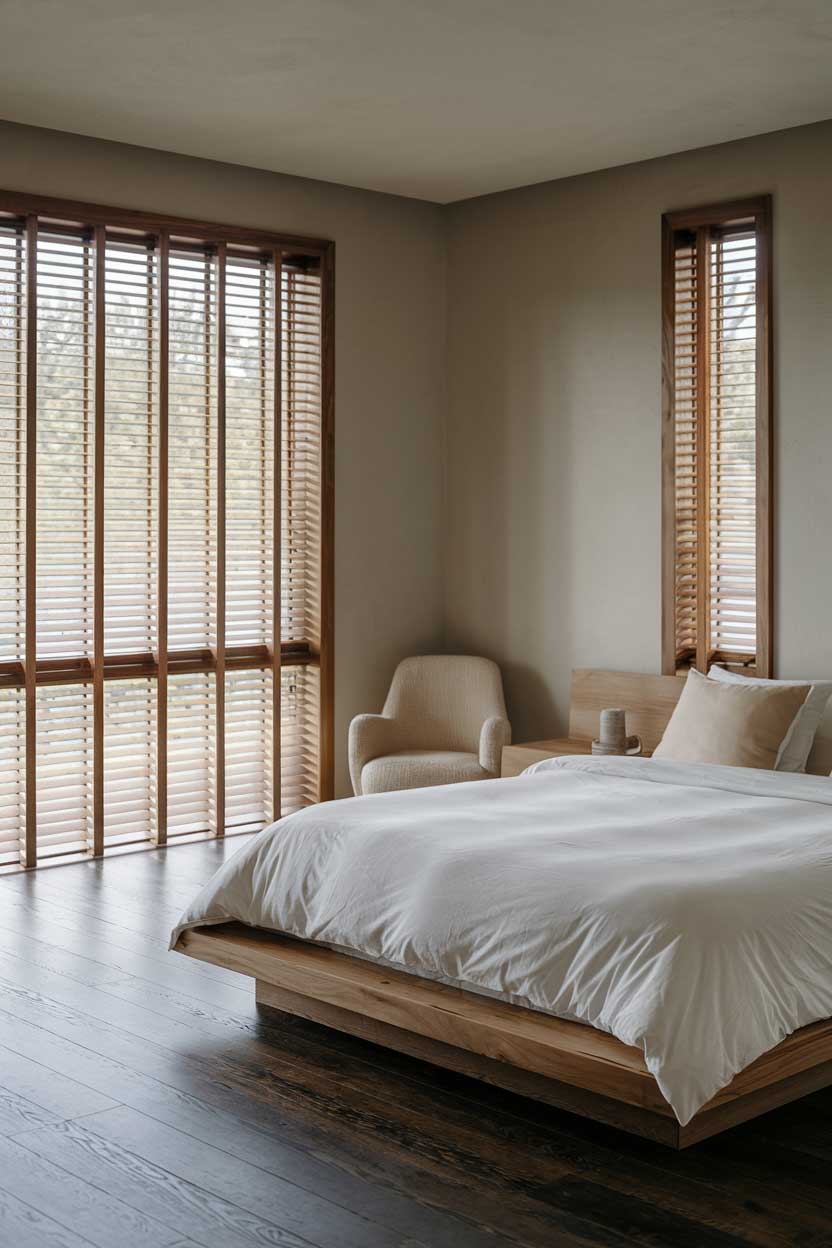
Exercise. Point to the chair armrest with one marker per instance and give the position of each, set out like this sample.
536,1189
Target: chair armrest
495,733
370,737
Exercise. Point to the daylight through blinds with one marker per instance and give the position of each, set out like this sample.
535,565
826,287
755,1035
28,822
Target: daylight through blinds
160,546
719,382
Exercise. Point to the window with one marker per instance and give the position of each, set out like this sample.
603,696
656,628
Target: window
716,438
165,547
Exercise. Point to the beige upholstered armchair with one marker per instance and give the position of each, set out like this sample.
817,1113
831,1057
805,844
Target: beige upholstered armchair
444,721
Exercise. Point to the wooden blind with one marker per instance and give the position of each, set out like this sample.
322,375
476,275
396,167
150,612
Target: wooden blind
717,520
161,416
13,370
130,536
301,349
251,348
686,484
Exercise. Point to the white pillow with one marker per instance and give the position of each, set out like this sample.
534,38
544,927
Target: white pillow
800,738
732,725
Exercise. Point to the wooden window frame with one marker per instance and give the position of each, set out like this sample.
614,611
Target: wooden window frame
758,209
28,674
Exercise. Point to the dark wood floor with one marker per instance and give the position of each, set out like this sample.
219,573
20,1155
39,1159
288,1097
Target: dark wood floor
144,1104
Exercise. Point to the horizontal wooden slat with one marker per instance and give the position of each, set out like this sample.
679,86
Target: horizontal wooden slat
128,667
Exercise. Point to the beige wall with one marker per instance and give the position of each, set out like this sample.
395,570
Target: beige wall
548,435
390,342
553,510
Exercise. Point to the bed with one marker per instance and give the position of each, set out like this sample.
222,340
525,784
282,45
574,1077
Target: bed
643,942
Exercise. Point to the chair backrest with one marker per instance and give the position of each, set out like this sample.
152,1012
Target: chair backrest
443,700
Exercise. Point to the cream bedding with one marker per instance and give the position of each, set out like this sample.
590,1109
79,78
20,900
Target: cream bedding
685,909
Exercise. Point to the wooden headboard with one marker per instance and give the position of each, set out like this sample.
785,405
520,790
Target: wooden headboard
649,702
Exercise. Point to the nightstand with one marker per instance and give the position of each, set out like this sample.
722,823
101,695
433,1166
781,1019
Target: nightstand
517,758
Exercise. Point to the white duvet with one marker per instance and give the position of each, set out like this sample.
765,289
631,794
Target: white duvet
685,909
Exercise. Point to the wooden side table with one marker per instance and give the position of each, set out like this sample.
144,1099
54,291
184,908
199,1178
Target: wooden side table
517,758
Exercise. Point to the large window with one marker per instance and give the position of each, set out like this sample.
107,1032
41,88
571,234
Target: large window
716,449
165,546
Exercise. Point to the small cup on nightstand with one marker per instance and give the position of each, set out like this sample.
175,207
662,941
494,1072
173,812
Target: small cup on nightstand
613,737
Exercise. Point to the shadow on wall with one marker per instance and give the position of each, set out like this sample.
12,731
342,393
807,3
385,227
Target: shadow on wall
530,704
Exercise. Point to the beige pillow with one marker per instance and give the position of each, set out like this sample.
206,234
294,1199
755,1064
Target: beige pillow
737,725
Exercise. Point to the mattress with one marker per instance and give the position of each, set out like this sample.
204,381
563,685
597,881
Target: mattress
685,909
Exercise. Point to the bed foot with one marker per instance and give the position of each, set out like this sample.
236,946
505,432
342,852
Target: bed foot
659,1127
564,1064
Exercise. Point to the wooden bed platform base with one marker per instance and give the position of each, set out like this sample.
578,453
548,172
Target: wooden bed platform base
569,1065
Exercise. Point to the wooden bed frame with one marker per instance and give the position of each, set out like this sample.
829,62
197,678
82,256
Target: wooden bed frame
568,1065
565,1064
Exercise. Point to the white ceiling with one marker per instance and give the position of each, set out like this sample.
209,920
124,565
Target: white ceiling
439,99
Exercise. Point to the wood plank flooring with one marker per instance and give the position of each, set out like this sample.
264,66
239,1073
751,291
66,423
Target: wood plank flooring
145,1104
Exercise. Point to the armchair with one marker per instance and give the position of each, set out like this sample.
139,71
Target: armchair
444,721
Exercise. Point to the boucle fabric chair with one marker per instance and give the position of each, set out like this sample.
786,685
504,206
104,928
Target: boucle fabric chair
444,721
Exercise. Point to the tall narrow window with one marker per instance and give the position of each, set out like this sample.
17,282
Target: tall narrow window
716,447
165,647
